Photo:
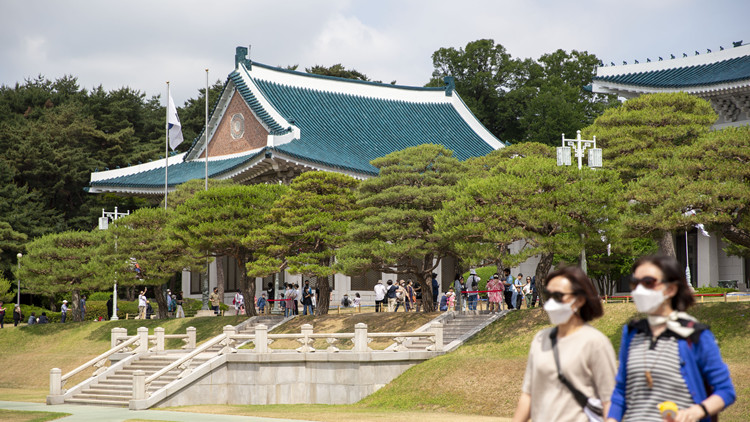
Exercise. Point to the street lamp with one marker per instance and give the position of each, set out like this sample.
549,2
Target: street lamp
18,277
578,146
104,225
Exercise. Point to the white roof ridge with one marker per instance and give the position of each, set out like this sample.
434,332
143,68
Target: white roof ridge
680,62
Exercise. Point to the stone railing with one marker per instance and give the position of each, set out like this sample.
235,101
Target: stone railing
121,343
262,339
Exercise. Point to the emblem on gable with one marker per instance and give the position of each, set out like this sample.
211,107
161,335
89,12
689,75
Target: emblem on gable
237,126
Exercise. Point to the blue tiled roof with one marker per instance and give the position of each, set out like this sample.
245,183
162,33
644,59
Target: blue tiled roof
254,105
348,131
730,70
179,173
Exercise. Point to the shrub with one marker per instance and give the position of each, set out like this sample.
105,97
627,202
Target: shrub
713,290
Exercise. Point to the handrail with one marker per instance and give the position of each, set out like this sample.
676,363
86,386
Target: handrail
104,355
205,346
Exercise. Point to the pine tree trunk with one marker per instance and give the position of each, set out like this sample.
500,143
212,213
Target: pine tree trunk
324,300
75,305
542,269
666,244
220,278
161,300
426,282
247,287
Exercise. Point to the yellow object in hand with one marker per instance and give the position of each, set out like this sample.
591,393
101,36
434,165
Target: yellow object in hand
668,408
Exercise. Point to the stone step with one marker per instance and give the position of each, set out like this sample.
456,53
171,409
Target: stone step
97,402
106,395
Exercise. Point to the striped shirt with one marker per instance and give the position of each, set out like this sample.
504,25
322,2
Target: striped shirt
662,359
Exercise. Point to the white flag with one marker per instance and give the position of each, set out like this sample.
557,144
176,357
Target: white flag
175,129
698,226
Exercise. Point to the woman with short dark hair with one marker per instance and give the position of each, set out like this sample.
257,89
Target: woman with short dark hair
571,367
668,357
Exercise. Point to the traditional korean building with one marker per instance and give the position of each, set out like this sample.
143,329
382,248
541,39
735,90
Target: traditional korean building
272,124
721,77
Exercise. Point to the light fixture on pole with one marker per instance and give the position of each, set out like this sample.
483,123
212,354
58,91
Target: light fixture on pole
18,277
104,225
578,147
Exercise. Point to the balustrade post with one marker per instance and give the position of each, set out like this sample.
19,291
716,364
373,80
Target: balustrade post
159,332
261,338
116,334
191,337
229,330
360,338
306,330
437,328
142,340
55,382
139,385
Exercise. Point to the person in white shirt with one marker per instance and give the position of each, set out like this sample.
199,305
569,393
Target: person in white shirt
239,303
379,295
142,304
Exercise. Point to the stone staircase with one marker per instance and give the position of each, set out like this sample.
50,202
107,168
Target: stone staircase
459,327
117,389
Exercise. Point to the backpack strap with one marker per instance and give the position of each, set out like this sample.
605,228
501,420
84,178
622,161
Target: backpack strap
580,397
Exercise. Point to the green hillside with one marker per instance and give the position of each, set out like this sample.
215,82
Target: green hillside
484,376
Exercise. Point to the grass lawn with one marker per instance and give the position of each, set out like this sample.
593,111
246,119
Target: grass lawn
26,416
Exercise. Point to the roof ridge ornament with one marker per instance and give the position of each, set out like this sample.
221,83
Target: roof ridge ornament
241,55
450,85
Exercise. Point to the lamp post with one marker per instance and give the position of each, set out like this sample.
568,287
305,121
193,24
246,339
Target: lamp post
578,146
18,277
104,225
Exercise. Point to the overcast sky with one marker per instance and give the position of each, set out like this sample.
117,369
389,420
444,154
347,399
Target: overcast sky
142,44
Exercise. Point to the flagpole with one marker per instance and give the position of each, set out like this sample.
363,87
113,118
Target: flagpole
206,129
166,150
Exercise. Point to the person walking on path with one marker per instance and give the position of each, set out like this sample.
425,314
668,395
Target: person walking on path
435,289
571,367
82,307
64,311
179,313
391,295
141,304
215,300
307,297
495,293
517,295
458,288
508,283
379,296
472,285
2,315
534,292
668,356
17,315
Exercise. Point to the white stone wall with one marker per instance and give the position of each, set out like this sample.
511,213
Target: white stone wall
292,378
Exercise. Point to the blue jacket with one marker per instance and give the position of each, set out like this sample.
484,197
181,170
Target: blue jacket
700,359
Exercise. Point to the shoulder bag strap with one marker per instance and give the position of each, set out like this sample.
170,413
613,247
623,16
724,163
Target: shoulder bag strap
580,397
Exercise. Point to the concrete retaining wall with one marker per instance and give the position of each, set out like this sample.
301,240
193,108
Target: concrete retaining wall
291,378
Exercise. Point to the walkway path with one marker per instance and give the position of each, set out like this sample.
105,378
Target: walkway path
80,413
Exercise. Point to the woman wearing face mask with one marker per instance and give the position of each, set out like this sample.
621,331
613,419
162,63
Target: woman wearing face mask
583,355
669,356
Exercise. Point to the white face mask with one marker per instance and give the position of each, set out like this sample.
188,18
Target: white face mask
647,300
559,313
